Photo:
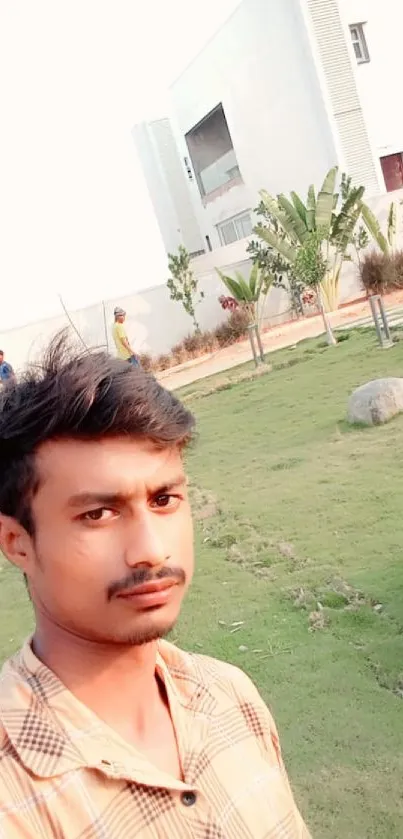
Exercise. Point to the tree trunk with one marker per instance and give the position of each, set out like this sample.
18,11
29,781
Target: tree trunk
331,340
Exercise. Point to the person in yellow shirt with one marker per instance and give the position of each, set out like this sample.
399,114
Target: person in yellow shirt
120,338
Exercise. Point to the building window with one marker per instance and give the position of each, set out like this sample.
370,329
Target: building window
212,153
392,168
359,42
234,229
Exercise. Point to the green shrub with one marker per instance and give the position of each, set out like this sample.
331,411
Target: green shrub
191,344
200,343
194,346
234,328
397,260
210,342
179,354
163,362
377,273
147,362
333,600
342,336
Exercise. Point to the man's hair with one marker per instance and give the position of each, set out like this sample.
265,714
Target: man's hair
83,395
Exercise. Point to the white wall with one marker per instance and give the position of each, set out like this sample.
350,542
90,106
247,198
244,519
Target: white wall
167,185
154,322
260,67
379,80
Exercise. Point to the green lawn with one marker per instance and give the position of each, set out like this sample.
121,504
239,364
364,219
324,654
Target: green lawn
296,509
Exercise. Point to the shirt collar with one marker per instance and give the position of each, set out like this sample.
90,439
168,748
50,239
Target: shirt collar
51,732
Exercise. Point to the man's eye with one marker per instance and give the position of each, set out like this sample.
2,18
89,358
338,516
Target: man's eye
100,514
164,501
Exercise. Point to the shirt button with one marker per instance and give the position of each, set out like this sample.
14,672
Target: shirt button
188,799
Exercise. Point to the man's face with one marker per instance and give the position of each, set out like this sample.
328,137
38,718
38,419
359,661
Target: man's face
121,318
1,357
112,554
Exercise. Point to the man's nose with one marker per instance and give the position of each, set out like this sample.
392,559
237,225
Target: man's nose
144,543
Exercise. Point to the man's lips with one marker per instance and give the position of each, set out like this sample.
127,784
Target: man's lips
152,587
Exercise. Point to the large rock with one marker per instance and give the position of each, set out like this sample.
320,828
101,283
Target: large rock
376,402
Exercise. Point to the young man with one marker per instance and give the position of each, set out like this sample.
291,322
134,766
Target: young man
120,338
106,730
6,370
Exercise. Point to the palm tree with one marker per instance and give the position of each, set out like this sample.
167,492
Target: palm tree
249,293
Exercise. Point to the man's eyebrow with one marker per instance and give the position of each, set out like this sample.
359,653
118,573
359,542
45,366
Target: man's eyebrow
101,498
168,486
82,499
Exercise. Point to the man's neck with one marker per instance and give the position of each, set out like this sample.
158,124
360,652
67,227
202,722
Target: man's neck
117,682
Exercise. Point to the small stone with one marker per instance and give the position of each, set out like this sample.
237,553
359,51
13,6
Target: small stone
378,608
209,510
243,649
317,620
286,549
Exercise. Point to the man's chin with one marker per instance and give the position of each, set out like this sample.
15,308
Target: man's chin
146,634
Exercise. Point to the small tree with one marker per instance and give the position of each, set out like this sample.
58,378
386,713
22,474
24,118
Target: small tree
274,265
183,285
311,266
249,293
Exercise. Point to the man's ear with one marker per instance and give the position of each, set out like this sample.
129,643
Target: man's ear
15,543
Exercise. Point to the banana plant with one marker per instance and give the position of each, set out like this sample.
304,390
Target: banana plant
331,214
386,243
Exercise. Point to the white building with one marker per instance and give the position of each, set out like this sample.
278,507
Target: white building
283,91
166,176
376,30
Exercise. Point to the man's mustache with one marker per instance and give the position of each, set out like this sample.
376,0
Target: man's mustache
142,575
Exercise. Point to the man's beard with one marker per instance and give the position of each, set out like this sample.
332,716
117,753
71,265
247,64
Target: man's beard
141,635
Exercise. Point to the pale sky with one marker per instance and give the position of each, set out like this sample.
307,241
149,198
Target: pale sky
76,75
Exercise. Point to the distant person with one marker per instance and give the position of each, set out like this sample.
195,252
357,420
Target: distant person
6,370
121,340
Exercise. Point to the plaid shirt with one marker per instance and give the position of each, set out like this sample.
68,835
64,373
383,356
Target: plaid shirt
65,773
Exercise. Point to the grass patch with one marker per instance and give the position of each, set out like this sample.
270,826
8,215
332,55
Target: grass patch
288,470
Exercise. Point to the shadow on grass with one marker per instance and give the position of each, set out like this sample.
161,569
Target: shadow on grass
346,427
